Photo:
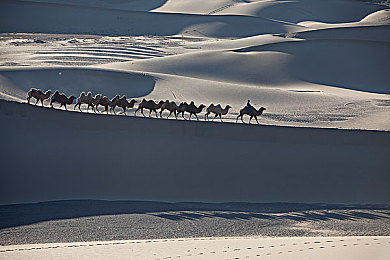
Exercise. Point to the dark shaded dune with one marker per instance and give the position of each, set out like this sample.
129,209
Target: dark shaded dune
72,81
370,33
319,11
49,154
351,64
20,16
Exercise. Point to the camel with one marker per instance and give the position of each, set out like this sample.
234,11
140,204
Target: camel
62,99
170,106
95,101
191,108
38,95
217,110
84,99
252,113
106,102
181,108
149,104
123,103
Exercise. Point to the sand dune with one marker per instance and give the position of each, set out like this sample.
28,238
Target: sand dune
74,81
304,10
359,248
319,67
353,64
116,157
62,18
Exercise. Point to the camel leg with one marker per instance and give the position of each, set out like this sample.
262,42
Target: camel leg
206,117
215,117
42,101
237,118
124,110
256,120
196,117
155,111
220,117
169,114
150,111
65,107
242,119
250,119
37,101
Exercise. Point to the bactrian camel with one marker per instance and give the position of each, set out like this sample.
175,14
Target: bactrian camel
252,113
148,104
84,99
123,103
191,108
38,95
62,99
107,103
170,106
217,110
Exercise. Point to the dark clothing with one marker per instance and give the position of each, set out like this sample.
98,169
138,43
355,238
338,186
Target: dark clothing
249,106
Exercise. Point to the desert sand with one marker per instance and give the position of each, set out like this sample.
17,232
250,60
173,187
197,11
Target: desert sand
320,68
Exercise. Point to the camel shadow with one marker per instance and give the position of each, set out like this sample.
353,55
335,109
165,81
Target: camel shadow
25,214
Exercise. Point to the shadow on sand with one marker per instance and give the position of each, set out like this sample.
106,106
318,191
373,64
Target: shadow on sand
25,214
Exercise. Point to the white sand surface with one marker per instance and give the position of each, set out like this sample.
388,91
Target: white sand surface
320,248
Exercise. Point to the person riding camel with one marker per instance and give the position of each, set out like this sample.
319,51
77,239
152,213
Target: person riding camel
249,106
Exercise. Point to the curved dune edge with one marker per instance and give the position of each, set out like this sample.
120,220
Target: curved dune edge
14,83
320,248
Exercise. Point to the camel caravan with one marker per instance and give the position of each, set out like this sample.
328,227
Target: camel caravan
109,105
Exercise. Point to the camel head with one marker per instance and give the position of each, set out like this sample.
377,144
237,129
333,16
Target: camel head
48,93
131,103
262,108
71,98
201,107
89,94
160,103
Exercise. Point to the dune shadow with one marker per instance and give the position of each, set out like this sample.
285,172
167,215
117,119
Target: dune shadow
343,63
25,214
72,81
